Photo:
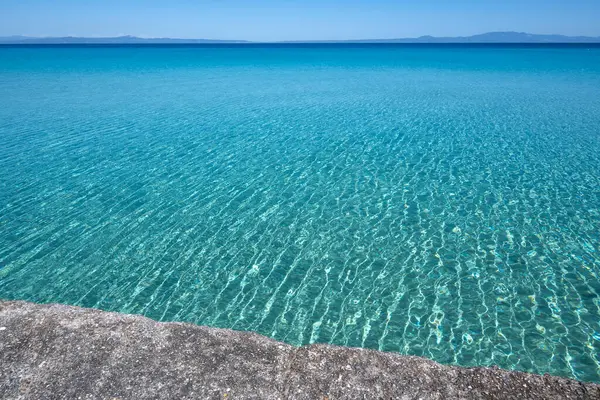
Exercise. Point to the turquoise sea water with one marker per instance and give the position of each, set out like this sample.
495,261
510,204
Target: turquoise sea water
441,201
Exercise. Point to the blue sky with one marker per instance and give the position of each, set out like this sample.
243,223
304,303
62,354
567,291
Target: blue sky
294,19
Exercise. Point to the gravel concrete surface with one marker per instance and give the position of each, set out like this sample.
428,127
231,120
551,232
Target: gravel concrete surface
64,352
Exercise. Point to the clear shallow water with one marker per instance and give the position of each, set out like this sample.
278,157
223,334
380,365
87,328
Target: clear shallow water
436,201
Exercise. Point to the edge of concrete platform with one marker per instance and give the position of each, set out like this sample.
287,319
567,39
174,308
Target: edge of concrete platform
52,351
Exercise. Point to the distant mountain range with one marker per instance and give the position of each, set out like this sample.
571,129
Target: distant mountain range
491,37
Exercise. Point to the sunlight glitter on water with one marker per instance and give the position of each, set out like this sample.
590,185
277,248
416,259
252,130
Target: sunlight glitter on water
441,202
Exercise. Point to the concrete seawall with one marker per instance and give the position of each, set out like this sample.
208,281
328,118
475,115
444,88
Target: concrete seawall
63,352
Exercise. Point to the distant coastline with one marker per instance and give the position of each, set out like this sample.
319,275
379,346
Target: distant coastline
490,37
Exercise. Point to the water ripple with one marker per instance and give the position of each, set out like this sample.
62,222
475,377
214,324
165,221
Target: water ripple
394,199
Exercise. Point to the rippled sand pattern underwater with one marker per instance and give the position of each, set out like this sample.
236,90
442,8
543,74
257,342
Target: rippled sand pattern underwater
441,202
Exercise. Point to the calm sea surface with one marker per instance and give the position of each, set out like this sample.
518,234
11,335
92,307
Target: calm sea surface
441,201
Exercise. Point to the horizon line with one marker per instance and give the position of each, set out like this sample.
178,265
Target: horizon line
493,35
